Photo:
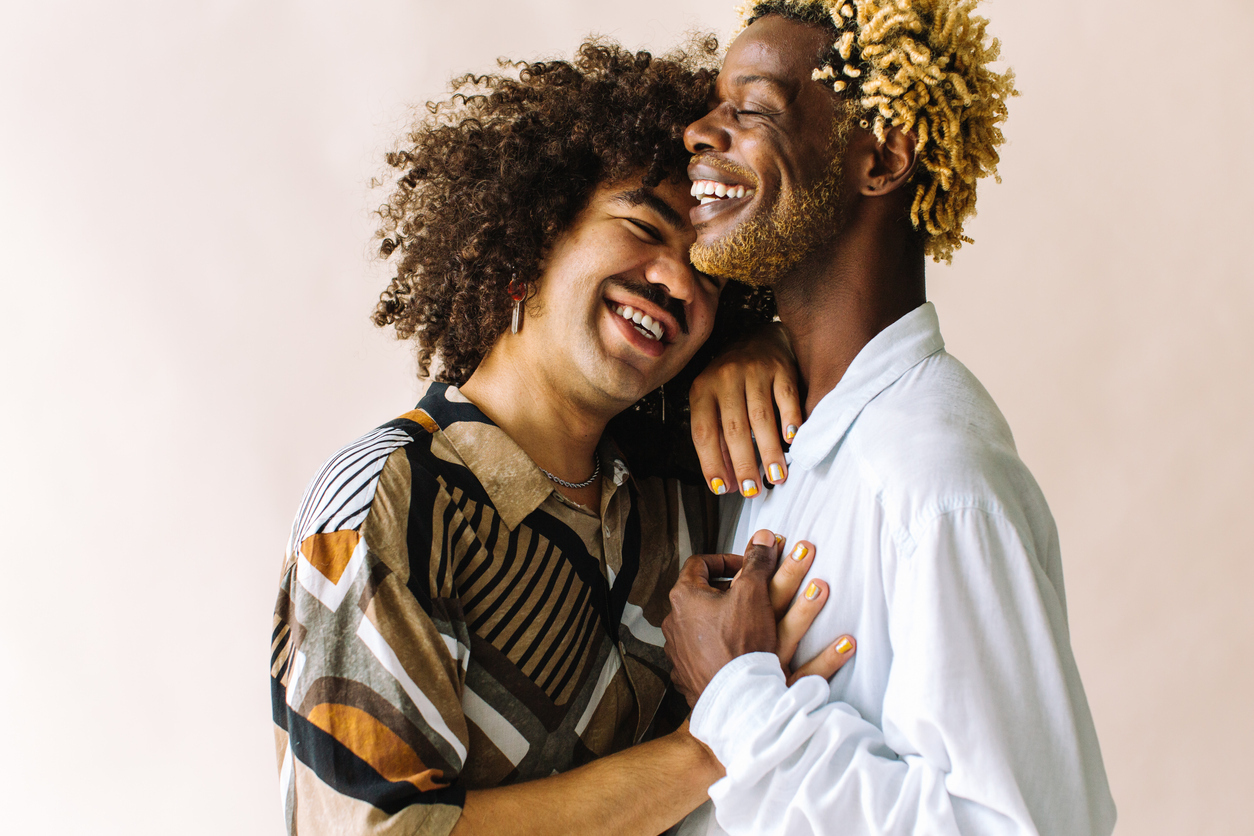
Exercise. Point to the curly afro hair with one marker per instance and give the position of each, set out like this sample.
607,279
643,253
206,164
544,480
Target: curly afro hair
488,178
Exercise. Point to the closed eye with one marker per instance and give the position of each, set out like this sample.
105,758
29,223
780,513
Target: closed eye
647,229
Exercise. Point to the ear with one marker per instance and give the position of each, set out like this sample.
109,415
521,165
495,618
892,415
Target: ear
890,163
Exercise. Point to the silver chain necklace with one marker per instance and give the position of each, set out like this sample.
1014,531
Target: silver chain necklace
576,485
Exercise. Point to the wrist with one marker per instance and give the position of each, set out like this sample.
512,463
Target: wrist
703,765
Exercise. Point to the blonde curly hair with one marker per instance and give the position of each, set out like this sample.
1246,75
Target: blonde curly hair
922,66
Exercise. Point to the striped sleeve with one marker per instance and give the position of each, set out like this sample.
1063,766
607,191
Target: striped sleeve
368,663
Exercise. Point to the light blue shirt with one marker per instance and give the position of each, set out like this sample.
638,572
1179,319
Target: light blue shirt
962,710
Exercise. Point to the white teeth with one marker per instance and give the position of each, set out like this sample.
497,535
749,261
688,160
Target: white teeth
644,323
705,200
713,190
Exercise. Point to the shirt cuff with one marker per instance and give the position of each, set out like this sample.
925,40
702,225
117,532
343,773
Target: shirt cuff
738,695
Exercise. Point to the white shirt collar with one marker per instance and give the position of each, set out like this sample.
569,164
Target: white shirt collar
890,354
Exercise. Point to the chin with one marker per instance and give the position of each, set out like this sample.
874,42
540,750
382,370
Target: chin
751,261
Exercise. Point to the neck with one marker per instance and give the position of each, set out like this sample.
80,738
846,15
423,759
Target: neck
558,431
840,297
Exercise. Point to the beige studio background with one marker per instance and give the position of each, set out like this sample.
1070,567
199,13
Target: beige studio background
185,280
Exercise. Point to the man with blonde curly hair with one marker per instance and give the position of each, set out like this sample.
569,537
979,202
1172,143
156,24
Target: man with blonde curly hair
843,147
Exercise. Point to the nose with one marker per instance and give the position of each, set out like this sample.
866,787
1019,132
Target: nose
709,133
672,272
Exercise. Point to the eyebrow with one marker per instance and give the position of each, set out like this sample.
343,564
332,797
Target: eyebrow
642,196
742,80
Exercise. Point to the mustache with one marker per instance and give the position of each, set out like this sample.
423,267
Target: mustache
656,294
715,161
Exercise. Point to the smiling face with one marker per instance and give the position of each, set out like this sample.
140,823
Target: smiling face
619,309
767,158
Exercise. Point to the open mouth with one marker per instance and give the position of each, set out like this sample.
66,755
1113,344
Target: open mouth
649,327
709,191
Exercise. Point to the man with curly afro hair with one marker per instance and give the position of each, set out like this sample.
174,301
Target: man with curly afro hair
467,638
843,147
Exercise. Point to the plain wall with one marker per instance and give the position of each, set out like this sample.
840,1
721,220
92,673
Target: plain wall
186,276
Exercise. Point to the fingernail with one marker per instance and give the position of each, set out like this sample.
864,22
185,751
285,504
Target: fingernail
812,592
764,538
791,432
779,540
799,552
718,486
776,473
844,645
749,487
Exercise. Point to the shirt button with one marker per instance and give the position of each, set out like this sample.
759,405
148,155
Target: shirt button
607,531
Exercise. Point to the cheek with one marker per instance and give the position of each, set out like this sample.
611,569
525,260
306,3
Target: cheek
701,320
767,159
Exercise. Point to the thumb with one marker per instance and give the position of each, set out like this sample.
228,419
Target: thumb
760,557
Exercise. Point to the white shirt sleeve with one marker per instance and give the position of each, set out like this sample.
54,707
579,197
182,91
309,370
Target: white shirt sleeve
980,729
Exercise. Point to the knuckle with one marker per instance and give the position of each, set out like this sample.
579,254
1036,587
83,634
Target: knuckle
761,415
758,555
704,432
734,428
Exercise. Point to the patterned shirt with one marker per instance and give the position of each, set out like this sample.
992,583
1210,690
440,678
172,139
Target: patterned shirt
448,621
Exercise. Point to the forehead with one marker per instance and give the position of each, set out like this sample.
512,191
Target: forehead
775,50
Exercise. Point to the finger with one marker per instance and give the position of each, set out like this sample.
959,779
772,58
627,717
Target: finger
761,407
737,434
732,484
707,437
699,568
760,558
788,402
798,619
789,575
832,659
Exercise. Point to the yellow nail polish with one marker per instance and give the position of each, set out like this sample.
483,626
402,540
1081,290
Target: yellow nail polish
779,540
776,473
812,592
844,645
718,486
790,433
799,552
749,488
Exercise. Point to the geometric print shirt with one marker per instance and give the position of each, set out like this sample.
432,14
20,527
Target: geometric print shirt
448,621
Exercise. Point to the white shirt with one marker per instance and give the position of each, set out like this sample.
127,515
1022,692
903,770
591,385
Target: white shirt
962,710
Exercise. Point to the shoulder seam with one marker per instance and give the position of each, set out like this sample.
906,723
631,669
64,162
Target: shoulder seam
340,495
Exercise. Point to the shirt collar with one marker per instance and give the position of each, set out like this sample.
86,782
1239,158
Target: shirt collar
514,483
889,355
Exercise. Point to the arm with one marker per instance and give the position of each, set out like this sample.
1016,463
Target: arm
984,727
368,676
643,790
733,403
